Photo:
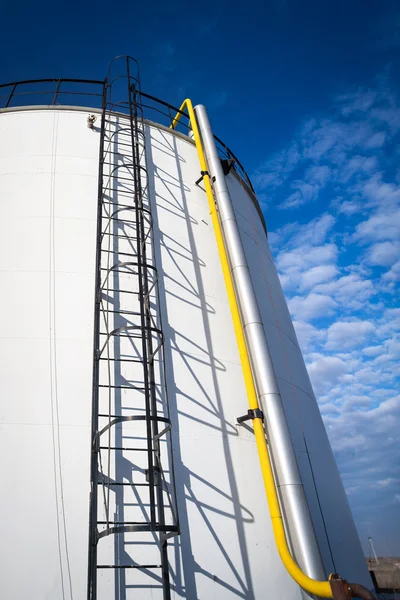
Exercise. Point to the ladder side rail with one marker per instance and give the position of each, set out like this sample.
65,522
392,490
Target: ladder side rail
150,354
92,550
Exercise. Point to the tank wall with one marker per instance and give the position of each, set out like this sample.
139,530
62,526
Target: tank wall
48,191
48,178
49,172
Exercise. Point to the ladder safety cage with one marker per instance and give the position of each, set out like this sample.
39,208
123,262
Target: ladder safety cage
133,501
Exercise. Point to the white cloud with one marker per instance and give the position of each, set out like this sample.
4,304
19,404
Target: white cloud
325,371
316,231
349,207
389,322
297,271
388,481
329,409
348,334
374,429
380,226
319,274
379,193
383,254
298,197
376,140
307,256
393,275
312,306
356,102
350,290
372,350
357,164
313,233
357,402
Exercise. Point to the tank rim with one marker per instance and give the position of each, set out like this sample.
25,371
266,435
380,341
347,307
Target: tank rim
9,92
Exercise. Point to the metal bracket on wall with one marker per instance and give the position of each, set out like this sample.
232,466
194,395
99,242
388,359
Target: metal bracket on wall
254,413
203,173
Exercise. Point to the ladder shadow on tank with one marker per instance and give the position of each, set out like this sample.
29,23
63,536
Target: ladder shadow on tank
185,580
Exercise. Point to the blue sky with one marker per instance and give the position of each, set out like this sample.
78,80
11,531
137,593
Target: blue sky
307,95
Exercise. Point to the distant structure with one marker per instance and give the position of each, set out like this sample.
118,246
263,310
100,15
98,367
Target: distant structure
385,573
372,552
149,365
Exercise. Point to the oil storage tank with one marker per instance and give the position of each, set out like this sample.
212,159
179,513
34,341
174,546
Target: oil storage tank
148,364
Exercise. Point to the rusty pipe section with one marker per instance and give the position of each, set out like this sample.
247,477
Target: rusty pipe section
343,590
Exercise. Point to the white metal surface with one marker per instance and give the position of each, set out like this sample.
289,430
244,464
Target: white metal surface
48,167
48,195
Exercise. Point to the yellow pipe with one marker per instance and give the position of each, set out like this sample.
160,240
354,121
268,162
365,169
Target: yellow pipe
318,588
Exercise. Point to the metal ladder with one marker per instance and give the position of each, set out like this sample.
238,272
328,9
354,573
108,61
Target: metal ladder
132,502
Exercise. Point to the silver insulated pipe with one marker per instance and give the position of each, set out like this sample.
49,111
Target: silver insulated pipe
290,488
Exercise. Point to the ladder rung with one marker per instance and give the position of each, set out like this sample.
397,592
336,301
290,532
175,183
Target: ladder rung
126,264
122,387
123,448
124,312
139,360
129,566
119,291
122,523
125,237
112,483
135,336
107,415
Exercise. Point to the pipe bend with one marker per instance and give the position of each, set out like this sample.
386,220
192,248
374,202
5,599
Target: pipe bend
359,591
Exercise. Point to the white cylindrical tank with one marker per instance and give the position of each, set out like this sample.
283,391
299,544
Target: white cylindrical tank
49,172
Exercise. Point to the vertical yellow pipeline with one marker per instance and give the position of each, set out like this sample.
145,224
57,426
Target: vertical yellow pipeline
318,588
